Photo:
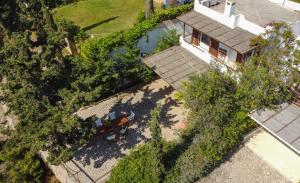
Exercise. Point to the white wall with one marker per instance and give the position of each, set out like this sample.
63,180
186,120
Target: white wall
219,17
233,21
245,24
292,5
287,4
201,53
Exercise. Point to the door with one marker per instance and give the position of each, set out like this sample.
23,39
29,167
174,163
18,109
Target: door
239,58
195,39
214,46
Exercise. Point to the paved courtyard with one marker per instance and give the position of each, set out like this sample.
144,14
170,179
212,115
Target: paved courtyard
94,162
261,159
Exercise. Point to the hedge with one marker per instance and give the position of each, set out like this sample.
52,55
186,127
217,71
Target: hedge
107,44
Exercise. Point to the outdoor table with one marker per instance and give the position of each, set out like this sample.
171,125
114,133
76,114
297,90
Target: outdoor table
121,121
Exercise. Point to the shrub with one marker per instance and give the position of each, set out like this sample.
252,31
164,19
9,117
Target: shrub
139,166
141,17
167,40
106,44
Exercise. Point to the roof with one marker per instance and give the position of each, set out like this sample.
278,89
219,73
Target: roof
261,12
236,38
283,124
175,65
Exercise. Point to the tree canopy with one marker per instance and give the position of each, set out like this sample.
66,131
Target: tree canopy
264,79
44,87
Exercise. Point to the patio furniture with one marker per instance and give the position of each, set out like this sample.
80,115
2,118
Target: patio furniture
98,122
131,116
121,121
123,130
112,116
111,137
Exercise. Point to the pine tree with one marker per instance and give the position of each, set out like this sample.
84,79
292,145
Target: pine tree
35,72
156,141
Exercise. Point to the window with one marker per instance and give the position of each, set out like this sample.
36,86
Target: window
205,39
222,52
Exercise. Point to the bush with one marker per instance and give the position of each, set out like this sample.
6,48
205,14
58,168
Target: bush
168,40
203,156
139,166
106,44
141,17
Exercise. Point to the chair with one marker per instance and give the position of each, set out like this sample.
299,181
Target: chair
131,116
98,122
111,137
123,130
112,116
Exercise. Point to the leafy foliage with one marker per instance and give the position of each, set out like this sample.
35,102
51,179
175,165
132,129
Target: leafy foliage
156,141
167,40
107,44
145,163
139,166
265,78
44,88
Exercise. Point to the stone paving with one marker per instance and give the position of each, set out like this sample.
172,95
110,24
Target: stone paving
247,165
94,162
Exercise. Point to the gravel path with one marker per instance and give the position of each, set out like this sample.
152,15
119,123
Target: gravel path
244,167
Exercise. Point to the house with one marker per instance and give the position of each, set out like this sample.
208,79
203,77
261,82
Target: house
220,31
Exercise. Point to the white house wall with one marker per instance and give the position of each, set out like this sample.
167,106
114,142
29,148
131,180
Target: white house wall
287,4
219,17
245,24
201,53
233,21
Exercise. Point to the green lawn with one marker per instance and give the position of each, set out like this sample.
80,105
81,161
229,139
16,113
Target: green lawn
101,17
297,1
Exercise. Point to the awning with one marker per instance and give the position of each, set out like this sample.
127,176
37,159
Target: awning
284,124
175,65
236,38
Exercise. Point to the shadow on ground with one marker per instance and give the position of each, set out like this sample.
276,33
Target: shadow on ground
99,23
99,151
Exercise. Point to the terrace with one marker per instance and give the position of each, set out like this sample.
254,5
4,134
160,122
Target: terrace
93,163
261,12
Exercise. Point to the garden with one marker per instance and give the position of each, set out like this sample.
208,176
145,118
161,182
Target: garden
45,88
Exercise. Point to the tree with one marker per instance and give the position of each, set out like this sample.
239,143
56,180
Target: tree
264,79
149,8
35,71
211,100
156,141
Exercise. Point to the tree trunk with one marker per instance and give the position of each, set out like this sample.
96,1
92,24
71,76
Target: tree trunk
149,8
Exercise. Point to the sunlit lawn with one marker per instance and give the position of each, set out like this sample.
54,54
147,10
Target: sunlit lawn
102,17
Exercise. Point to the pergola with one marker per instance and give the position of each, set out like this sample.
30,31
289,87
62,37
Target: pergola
176,65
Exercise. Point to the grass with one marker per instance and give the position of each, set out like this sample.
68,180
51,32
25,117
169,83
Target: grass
101,17
297,1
